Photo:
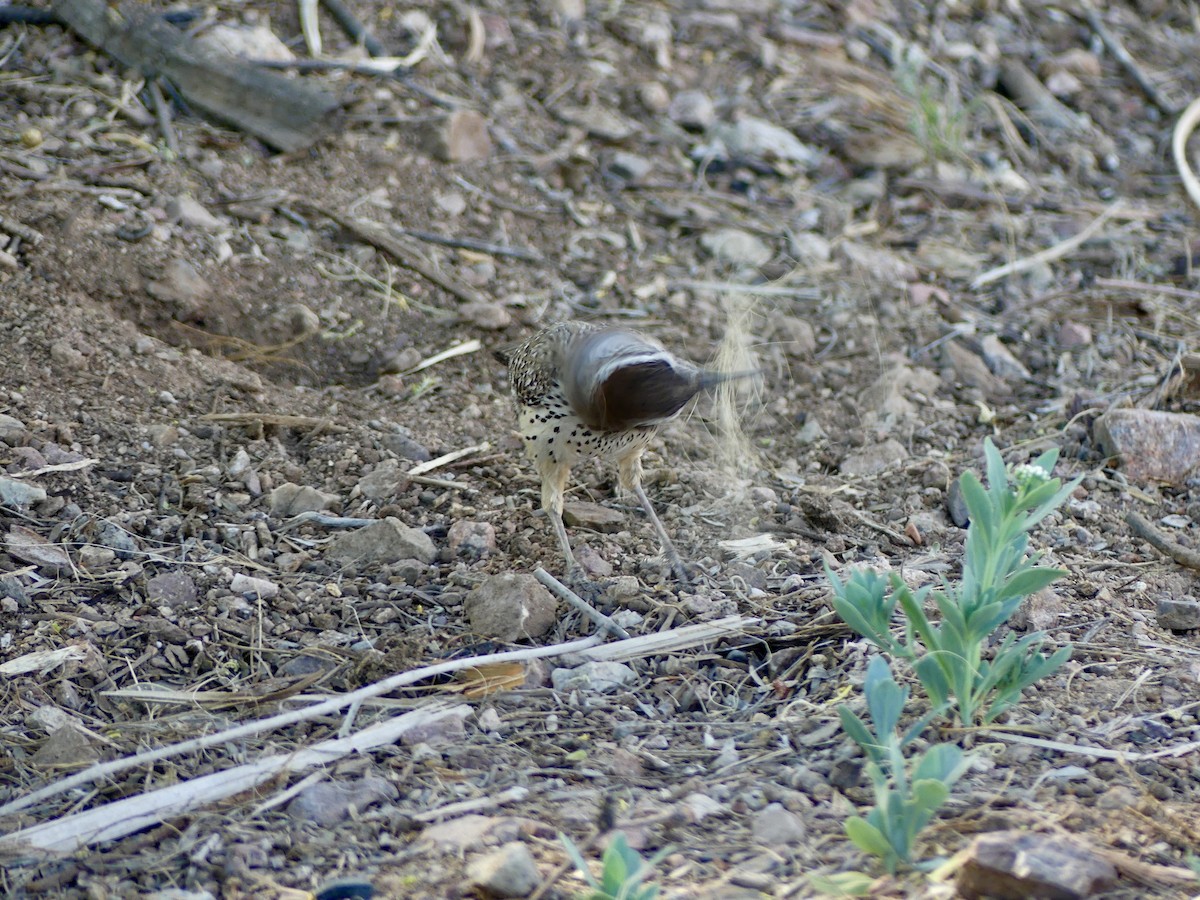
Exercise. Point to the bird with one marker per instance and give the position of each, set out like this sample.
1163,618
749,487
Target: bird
585,389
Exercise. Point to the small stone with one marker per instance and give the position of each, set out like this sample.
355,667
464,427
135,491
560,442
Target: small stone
874,459
171,589
67,356
593,516
330,802
970,369
1001,360
292,499
66,748
181,287
382,542
385,482
256,587
1151,445
471,540
692,110
190,212
752,138
776,826
406,447
654,96
96,559
247,42
1074,334
488,316
15,493
593,563
1013,865
600,677
12,431
510,608
462,136
1178,613
629,167
809,248
737,247
1116,797
508,872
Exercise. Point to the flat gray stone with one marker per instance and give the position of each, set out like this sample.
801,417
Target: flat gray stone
383,542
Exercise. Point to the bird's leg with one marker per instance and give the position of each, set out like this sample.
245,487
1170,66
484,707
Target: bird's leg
554,482
629,474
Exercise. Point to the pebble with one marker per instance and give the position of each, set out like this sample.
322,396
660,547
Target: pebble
488,316
737,247
94,558
1001,360
12,431
181,287
330,802
382,542
1178,613
385,482
471,540
192,213
692,110
511,607
258,587
874,459
629,167
1151,445
759,139
600,677
776,826
462,136
16,493
171,589
1019,864
292,499
507,872
654,97
593,516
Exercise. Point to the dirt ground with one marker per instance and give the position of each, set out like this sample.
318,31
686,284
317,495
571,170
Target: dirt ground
185,334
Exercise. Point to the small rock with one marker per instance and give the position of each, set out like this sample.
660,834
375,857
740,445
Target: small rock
508,872
258,587
190,212
171,589
776,826
810,432
1001,360
462,136
971,370
66,748
292,499
737,247
629,167
12,431
112,535
29,546
95,559
1039,612
654,96
593,516
1074,334
794,334
593,563
382,542
330,802
956,506
1013,865
809,248
599,121
879,265
247,42
385,482
406,447
762,140
692,110
67,356
510,608
1116,797
488,316
874,459
601,677
1178,613
471,540
623,587
18,494
181,287
1151,445
452,203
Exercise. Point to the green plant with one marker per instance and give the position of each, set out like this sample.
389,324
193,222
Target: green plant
908,791
939,119
622,873
997,574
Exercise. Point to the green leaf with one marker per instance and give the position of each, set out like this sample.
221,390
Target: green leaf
842,884
885,698
984,515
868,838
578,861
858,732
